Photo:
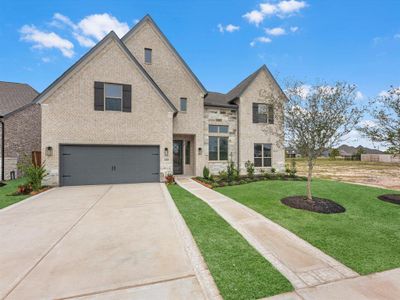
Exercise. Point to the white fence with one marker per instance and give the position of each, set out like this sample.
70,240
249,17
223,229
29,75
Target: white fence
386,158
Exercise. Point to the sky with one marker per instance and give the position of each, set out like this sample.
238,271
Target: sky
357,41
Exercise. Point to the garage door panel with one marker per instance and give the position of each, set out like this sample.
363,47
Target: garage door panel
81,165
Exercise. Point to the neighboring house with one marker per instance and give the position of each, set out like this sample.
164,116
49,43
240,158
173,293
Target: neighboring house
20,120
131,110
348,151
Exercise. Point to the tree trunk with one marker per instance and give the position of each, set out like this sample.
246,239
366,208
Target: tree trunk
309,176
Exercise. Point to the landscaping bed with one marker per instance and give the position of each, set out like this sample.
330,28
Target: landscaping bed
239,271
365,237
319,205
217,181
392,198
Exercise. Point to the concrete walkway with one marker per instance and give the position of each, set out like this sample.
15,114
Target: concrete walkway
382,286
100,242
301,263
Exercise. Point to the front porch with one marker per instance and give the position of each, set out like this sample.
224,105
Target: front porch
183,154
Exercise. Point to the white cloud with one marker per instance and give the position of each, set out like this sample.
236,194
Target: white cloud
268,8
291,6
65,20
275,31
46,59
99,25
49,40
304,90
397,36
254,17
359,95
261,39
228,28
92,27
282,9
84,41
294,28
231,28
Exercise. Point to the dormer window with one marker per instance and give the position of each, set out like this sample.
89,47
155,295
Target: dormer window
148,55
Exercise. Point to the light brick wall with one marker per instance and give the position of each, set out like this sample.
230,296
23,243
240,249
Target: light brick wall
221,116
175,81
68,115
251,133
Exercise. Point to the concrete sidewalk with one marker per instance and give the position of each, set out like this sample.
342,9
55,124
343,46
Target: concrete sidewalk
301,263
382,286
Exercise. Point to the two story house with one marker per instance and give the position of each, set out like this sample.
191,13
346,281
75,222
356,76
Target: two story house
131,110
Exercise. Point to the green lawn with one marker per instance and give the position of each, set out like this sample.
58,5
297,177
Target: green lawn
6,198
366,237
239,271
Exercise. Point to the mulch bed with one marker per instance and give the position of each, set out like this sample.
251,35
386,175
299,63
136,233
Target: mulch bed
319,205
392,198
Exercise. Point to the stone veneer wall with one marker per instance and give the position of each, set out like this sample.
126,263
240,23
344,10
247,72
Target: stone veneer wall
221,116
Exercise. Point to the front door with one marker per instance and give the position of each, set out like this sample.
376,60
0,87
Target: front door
178,157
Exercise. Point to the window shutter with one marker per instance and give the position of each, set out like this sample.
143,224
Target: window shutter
98,95
270,114
255,113
127,98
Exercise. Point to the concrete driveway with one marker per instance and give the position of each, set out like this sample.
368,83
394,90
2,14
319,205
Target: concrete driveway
102,242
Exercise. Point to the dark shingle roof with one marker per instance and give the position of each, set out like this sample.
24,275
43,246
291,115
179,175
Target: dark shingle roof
14,96
218,99
226,100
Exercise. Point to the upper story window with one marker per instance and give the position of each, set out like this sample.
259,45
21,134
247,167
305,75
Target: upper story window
148,55
113,96
263,113
183,104
218,128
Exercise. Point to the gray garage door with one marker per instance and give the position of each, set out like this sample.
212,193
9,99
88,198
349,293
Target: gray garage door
81,165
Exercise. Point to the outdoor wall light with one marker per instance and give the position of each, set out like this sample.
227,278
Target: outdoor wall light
49,151
200,150
165,151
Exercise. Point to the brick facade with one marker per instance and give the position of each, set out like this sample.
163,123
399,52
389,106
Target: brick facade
22,136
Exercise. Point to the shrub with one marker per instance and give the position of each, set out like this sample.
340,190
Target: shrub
249,168
24,189
214,185
170,179
34,173
206,172
273,170
242,181
223,175
231,171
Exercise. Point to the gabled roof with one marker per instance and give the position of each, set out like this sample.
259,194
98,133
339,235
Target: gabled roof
111,36
227,100
218,100
148,18
15,96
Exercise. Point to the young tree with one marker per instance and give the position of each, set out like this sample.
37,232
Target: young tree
334,152
318,118
386,124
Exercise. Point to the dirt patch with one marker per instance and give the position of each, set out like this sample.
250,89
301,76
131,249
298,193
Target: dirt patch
368,173
319,205
392,198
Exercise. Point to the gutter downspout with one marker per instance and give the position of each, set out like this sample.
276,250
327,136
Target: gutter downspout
2,148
